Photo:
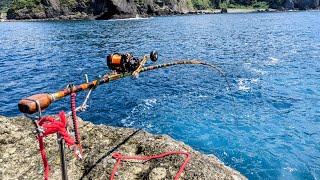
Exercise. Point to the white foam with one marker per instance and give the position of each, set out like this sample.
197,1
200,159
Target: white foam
136,111
132,19
272,61
150,102
243,84
290,169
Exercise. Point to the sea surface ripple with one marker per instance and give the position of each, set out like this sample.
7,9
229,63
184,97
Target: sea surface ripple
266,126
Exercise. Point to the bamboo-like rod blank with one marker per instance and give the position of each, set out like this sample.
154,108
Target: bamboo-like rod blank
45,100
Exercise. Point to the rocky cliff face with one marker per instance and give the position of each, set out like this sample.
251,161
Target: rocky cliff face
20,157
305,4
97,9
295,4
108,9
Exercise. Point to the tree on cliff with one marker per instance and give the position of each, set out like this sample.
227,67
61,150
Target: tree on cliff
275,4
4,5
216,4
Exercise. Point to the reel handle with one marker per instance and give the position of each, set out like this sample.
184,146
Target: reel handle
154,56
29,105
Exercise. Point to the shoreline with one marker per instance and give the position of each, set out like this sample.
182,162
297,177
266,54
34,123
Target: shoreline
92,18
198,12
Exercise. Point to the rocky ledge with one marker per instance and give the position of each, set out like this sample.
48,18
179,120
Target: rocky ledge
20,157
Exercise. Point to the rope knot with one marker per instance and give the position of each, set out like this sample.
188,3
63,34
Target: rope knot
49,125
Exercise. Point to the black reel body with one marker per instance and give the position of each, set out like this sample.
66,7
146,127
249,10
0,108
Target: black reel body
122,63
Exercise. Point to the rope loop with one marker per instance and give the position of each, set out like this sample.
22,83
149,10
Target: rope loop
51,126
119,157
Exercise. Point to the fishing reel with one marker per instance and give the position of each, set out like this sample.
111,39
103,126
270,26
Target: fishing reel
126,63
154,56
122,63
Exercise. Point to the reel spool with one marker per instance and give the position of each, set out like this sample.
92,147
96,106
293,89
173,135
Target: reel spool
122,63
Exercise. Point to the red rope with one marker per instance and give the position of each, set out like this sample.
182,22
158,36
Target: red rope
50,126
119,157
77,146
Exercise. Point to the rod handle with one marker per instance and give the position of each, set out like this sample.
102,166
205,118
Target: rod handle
29,106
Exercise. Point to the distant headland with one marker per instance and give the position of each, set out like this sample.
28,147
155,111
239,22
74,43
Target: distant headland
119,9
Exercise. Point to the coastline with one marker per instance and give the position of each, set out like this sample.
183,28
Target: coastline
21,158
213,11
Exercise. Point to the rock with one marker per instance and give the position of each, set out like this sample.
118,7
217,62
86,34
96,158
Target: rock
289,4
118,9
111,9
294,4
306,4
224,10
99,9
158,173
20,159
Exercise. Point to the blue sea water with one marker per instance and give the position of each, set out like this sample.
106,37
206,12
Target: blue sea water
266,126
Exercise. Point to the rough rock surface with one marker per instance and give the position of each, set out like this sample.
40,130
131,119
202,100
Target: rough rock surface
99,9
295,4
306,4
20,157
114,9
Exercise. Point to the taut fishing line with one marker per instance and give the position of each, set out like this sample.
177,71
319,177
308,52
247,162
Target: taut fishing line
217,69
120,65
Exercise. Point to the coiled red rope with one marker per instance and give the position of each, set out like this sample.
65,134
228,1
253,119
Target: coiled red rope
50,126
119,157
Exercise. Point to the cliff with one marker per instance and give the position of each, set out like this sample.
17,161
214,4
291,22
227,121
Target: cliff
295,4
96,9
20,157
110,9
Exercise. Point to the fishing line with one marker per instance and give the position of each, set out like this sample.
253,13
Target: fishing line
202,63
120,65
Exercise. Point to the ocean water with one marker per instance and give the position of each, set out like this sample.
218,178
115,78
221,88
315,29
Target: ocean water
266,125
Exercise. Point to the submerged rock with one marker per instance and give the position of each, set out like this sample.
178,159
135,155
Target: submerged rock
20,157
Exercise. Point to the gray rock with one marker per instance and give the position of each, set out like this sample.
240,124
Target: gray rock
101,9
158,173
20,157
306,4
289,4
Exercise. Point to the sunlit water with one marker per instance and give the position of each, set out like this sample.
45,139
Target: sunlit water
270,59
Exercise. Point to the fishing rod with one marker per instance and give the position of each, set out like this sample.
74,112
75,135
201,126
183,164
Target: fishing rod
121,65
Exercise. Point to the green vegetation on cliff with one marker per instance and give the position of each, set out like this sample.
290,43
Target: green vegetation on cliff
4,5
202,4
20,4
241,4
253,5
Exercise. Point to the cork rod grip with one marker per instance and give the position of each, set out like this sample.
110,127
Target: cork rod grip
28,105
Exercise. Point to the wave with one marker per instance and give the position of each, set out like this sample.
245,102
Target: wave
137,18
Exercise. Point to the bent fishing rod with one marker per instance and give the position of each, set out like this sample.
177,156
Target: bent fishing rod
121,65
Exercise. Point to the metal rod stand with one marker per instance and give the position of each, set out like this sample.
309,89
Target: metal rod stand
61,142
63,164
